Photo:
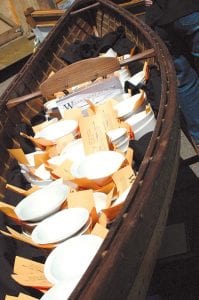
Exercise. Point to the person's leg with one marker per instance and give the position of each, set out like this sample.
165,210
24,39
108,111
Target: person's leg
188,95
187,77
187,28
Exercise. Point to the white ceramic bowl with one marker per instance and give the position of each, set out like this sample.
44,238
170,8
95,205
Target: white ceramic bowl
42,203
49,105
60,226
145,128
70,259
58,129
100,200
110,53
122,197
60,291
31,179
121,97
98,166
117,135
30,157
123,75
137,78
74,150
28,227
42,173
139,119
129,106
123,146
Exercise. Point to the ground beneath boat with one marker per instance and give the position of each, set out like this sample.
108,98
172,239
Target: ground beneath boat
176,275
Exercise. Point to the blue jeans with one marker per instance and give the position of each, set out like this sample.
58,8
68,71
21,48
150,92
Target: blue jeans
182,39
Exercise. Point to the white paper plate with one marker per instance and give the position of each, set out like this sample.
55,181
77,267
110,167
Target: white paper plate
42,203
71,258
58,129
60,291
60,226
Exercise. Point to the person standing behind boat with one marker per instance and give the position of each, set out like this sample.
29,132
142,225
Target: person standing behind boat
177,23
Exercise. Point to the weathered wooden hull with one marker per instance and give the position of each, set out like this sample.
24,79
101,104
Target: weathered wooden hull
123,266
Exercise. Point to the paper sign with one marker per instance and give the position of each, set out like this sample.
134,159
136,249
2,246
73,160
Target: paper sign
146,70
123,178
100,231
108,116
103,220
29,273
25,297
81,199
52,150
72,114
26,266
148,108
8,210
110,196
10,297
40,158
95,92
32,280
86,183
93,134
128,128
113,211
63,141
107,188
19,155
129,156
63,170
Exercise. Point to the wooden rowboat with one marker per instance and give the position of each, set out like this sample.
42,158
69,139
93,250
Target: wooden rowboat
124,264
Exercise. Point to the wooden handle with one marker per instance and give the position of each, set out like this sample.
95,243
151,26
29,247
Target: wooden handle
15,101
87,70
143,55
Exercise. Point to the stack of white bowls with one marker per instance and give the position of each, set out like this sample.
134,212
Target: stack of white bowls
119,138
142,123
